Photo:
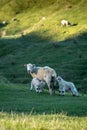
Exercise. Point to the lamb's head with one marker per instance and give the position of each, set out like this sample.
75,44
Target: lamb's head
61,86
59,78
30,67
38,89
61,91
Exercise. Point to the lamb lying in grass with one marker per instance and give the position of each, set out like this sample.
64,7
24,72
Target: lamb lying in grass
37,85
46,74
64,86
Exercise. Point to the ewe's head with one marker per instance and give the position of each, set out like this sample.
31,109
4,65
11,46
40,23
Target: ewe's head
30,67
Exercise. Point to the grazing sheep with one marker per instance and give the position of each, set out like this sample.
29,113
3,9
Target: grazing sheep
46,74
43,18
3,33
4,22
64,86
14,19
37,85
65,23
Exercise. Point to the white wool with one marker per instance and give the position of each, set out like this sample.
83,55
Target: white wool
37,85
64,86
65,23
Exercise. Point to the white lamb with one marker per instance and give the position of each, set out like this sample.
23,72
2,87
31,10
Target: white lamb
65,23
46,74
37,85
64,86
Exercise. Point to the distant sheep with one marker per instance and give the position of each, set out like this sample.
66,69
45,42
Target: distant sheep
4,22
46,74
65,23
43,18
14,19
64,86
37,85
3,33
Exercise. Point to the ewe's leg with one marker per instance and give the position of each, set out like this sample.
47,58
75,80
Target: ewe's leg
50,89
50,84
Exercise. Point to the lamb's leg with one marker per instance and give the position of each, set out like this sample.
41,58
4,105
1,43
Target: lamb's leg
31,88
52,85
74,90
36,88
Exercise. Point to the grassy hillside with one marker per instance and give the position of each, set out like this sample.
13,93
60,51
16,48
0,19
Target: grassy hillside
18,98
36,36
33,34
29,16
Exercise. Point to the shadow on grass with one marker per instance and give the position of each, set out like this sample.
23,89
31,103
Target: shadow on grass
75,24
3,25
38,49
9,45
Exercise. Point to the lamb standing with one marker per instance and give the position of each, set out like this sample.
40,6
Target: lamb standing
37,85
46,74
64,86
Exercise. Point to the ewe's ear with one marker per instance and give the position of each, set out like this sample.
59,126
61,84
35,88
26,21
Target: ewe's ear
25,65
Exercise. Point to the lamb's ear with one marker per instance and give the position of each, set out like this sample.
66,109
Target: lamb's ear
25,65
34,65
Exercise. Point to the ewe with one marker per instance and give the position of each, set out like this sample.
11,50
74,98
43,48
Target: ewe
46,74
37,85
64,86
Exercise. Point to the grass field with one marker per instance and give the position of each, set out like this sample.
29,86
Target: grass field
44,42
19,98
22,109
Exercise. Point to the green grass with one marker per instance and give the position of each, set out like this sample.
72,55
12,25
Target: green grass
23,109
18,98
45,42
